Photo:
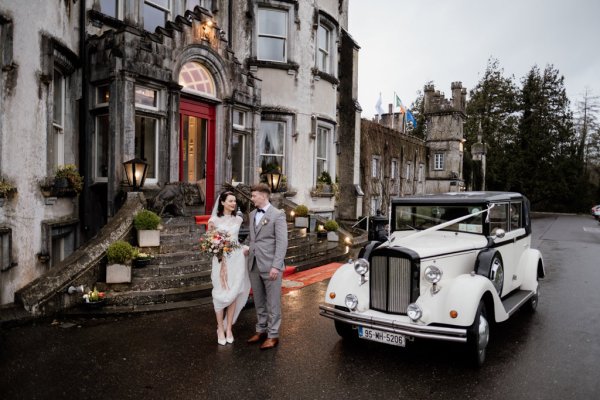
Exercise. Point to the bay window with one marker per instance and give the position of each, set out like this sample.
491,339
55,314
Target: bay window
271,144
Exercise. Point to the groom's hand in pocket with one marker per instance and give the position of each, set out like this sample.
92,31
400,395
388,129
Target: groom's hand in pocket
273,274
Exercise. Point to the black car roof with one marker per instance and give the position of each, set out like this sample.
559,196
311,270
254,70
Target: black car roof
458,197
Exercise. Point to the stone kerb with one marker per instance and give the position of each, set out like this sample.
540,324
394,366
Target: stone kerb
48,293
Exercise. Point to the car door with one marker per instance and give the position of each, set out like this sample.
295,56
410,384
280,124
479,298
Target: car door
499,220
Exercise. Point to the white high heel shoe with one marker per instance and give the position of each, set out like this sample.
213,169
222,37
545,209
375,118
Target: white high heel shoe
223,341
229,339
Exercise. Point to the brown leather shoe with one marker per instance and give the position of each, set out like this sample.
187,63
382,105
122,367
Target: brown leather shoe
269,343
258,336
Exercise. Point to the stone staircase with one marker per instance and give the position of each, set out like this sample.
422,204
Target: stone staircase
180,274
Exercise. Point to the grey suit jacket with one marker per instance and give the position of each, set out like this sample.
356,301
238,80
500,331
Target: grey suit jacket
268,240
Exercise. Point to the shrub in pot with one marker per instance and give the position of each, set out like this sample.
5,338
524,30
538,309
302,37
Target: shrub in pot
119,255
331,226
146,223
301,216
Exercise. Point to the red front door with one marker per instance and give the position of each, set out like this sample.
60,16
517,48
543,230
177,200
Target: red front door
197,147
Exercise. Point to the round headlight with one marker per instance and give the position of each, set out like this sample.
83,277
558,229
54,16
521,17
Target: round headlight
433,274
351,301
414,311
361,266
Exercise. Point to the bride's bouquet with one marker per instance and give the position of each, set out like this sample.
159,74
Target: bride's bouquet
218,243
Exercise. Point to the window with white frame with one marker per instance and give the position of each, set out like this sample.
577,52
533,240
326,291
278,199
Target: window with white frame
375,166
421,178
324,34
408,169
206,4
271,144
156,13
112,8
59,84
239,119
322,150
394,169
100,156
438,161
5,248
146,144
375,204
272,34
146,98
240,170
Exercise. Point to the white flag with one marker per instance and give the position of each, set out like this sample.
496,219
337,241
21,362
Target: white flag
378,107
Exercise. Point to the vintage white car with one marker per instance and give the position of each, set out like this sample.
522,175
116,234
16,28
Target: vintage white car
453,264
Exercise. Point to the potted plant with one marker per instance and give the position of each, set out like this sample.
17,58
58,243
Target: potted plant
94,298
301,216
324,183
68,181
119,256
331,226
7,189
146,223
141,259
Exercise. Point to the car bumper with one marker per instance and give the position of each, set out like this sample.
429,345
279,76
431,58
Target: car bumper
410,330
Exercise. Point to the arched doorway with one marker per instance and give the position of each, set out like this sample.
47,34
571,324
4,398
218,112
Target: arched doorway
197,130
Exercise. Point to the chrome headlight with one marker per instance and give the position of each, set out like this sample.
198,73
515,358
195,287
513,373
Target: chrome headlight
432,274
351,301
414,312
361,266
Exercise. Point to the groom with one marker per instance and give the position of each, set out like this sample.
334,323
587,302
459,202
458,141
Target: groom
268,245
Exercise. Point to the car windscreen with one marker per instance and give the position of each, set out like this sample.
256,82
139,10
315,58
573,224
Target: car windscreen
419,217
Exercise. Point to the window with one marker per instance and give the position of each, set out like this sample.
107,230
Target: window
206,4
323,48
146,98
63,243
375,204
272,145
101,148
58,117
239,159
195,78
499,218
5,248
322,144
420,173
394,169
156,13
239,119
272,34
146,144
408,171
112,8
375,162
438,161
102,95
515,216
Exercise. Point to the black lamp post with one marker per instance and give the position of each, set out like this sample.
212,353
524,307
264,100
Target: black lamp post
273,178
135,171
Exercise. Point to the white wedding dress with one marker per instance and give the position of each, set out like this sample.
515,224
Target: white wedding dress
238,281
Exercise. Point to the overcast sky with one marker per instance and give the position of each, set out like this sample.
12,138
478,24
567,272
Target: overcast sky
406,43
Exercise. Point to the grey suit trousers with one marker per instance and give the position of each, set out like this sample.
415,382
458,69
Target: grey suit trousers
267,301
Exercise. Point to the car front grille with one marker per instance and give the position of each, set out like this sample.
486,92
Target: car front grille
392,283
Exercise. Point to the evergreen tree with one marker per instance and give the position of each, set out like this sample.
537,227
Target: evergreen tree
493,113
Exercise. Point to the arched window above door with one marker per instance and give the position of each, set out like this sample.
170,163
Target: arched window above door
194,77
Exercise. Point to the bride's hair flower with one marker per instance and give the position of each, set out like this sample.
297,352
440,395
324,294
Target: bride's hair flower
218,243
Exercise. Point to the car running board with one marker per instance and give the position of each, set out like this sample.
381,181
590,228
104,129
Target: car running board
513,302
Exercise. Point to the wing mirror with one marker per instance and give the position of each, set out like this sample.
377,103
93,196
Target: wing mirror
500,233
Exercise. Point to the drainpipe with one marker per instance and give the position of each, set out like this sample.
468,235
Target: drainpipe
229,23
84,139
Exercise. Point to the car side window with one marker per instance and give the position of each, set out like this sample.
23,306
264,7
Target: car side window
499,218
515,216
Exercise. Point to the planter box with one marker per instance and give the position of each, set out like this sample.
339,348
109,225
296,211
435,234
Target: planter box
333,237
148,238
301,222
118,273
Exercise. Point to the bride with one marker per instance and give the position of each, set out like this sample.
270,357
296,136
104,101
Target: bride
231,284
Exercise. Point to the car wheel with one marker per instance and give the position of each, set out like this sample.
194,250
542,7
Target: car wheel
497,274
478,336
532,303
345,330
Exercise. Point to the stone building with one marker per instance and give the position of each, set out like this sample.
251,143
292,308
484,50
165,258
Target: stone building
394,163
205,91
